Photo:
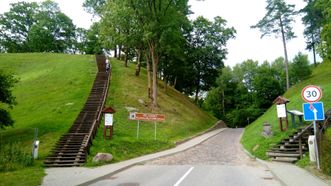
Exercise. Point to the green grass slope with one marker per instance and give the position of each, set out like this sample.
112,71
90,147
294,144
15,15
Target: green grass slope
183,118
53,88
51,91
252,139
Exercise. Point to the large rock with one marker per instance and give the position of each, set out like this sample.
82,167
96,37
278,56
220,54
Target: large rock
267,132
102,157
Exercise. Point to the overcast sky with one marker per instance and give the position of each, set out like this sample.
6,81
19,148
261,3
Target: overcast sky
240,14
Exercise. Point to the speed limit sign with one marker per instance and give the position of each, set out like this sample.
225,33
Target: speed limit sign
311,93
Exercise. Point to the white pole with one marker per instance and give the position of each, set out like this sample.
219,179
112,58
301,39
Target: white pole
316,146
154,130
138,129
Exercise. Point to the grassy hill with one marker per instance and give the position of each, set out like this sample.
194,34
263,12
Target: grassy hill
183,118
252,139
52,90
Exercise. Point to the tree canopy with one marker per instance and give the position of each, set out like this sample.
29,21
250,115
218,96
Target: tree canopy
6,98
32,27
278,21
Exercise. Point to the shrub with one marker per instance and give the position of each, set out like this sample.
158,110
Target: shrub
13,157
325,153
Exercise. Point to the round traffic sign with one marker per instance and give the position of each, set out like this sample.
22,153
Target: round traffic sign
311,93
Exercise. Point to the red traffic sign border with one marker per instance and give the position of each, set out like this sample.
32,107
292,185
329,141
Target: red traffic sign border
311,86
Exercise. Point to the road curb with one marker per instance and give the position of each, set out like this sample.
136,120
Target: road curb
262,162
86,176
265,164
153,158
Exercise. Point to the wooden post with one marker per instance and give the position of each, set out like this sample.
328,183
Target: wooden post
108,122
110,132
286,122
281,124
300,147
281,111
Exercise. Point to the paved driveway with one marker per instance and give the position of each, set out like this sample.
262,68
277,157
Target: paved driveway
219,160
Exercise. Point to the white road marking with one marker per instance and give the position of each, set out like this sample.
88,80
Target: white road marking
184,176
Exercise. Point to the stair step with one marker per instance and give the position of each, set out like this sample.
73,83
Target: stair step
285,159
64,161
73,158
64,165
70,154
284,150
56,151
283,154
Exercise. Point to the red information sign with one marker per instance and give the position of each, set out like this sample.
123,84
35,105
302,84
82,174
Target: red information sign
147,117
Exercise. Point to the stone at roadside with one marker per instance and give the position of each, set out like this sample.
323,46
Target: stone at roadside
141,101
102,157
131,109
267,132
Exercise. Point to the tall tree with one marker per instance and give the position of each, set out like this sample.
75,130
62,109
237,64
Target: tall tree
7,82
31,27
208,50
157,18
53,30
245,72
15,26
120,25
312,20
94,7
300,68
91,40
278,65
325,6
278,20
266,86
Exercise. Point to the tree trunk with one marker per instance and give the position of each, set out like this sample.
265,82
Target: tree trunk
119,52
126,57
314,54
155,61
175,82
165,80
197,91
223,102
115,52
149,78
197,94
138,66
285,53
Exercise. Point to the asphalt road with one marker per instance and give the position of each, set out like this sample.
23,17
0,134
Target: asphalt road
217,161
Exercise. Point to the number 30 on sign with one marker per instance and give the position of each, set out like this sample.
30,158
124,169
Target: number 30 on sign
311,93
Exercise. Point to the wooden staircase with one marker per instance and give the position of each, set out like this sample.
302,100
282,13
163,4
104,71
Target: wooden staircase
288,150
72,147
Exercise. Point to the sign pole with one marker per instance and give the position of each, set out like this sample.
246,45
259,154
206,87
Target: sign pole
138,129
154,130
146,117
316,146
312,94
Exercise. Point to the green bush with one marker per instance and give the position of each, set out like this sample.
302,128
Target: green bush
13,157
242,117
325,155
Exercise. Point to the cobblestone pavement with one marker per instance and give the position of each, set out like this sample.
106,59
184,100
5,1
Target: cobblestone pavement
222,149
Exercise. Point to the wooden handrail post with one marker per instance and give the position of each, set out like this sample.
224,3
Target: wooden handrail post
300,147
